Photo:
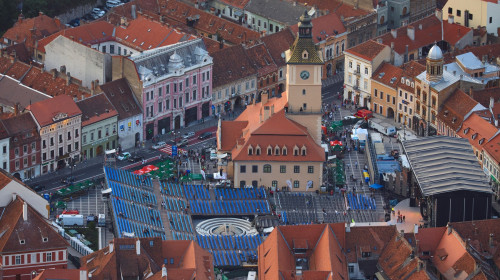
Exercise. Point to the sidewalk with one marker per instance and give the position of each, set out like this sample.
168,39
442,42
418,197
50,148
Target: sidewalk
98,161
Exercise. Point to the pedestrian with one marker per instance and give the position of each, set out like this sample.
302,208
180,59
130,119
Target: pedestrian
356,164
404,218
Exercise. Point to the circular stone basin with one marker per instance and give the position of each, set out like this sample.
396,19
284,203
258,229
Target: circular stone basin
225,226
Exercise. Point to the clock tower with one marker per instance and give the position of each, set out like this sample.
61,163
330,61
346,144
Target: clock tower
303,80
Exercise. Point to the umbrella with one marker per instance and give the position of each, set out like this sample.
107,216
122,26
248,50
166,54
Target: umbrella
150,167
138,172
336,142
376,186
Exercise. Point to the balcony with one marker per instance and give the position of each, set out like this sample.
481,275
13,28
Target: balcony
404,16
357,72
355,87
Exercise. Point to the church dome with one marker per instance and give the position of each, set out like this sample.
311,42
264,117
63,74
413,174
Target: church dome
435,53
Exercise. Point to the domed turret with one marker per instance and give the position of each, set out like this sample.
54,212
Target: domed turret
434,64
435,53
175,62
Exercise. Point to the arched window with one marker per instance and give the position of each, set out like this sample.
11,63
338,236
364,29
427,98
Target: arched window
269,151
305,54
267,168
257,151
304,150
250,150
285,150
276,151
296,151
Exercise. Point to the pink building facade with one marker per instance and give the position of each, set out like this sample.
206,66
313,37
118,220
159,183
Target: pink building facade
176,86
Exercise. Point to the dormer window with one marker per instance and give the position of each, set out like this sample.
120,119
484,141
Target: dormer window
285,150
303,150
22,241
257,151
481,141
474,136
276,151
412,84
250,150
305,55
454,120
402,80
45,239
269,151
296,151
466,130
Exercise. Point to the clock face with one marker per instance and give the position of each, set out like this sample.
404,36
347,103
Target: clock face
304,75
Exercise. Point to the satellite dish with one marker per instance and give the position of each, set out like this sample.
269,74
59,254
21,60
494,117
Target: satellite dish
282,55
311,12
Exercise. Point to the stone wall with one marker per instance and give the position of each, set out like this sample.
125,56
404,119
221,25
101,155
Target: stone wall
79,11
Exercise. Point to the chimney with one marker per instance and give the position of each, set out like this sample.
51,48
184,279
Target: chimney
123,21
54,73
13,59
490,240
394,33
14,196
264,97
138,246
221,44
163,271
415,229
68,79
451,19
83,275
416,247
196,5
40,13
25,211
492,102
450,229
410,31
132,10
1,110
57,21
62,69
111,247
16,109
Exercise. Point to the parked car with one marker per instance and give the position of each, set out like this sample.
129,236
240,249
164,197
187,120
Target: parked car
97,13
349,120
135,158
361,124
38,188
188,135
183,143
75,22
123,156
113,3
205,135
159,145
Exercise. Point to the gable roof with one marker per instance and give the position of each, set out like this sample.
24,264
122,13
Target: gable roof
20,124
411,70
373,237
277,43
123,99
367,50
445,164
455,108
427,32
261,59
13,228
388,74
231,64
141,34
12,92
95,109
479,131
32,29
284,12
189,259
19,51
44,111
324,27
323,245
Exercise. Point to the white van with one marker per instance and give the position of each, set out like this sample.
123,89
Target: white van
70,220
113,3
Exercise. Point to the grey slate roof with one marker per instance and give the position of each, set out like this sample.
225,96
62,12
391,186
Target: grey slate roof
281,11
445,164
158,62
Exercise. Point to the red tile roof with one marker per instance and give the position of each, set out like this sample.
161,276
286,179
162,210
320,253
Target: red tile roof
425,36
207,22
277,43
373,237
323,241
479,131
335,6
19,51
32,29
60,274
236,3
13,228
411,70
455,108
388,75
231,64
95,109
123,99
367,50
140,34
189,260
261,59
324,27
44,111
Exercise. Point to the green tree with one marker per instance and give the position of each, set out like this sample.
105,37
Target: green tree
32,7
8,14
